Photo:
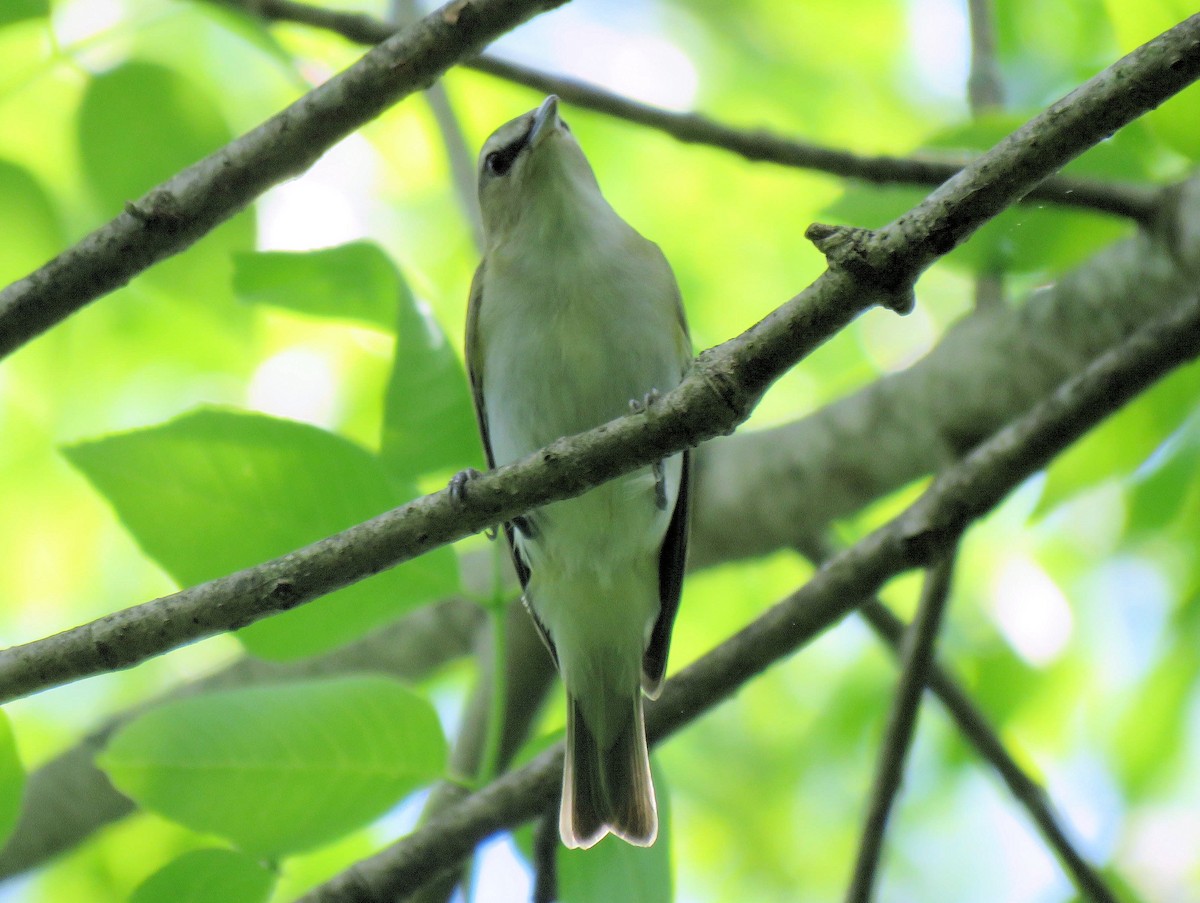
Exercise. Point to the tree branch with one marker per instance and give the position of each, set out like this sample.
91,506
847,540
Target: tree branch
922,533
770,489
179,211
1126,200
718,393
917,658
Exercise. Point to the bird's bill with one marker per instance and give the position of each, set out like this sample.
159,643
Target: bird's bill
545,120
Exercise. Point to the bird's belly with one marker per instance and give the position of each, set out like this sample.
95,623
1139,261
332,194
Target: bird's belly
543,384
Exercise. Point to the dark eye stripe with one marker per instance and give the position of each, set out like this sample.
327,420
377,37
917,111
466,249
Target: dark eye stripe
501,161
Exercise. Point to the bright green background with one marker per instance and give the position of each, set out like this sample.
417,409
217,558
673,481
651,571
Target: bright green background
144,443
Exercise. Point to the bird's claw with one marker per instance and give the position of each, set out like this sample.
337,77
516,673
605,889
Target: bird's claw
458,483
639,407
458,492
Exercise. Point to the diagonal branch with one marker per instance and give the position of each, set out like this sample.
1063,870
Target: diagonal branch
718,393
921,534
917,658
179,211
1119,199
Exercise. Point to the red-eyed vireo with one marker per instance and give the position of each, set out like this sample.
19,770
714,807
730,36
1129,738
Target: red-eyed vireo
573,316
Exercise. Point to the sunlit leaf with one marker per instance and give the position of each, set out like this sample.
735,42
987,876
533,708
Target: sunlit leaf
30,228
1153,728
1117,447
16,10
1169,486
207,876
429,424
12,779
139,124
280,768
356,281
216,491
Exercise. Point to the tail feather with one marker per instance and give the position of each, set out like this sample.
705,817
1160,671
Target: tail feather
607,789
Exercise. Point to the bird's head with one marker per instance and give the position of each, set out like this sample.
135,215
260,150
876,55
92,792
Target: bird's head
532,167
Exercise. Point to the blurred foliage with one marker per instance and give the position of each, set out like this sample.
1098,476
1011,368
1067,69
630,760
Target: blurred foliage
207,876
298,371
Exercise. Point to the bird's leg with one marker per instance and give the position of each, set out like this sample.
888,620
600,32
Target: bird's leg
660,483
458,492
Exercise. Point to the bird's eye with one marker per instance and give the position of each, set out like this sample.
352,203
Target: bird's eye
498,164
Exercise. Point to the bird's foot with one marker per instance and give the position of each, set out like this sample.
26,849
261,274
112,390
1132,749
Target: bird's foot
458,492
640,407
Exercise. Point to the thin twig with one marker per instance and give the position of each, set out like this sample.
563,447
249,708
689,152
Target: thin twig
985,89
974,726
458,154
963,493
917,658
545,857
1137,202
719,392
985,93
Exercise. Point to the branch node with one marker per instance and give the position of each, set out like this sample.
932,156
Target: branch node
851,250
283,592
726,388
160,209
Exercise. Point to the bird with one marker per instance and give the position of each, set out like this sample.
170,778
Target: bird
575,318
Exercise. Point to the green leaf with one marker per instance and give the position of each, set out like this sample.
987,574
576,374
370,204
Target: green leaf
30,228
282,768
139,124
1121,443
428,420
1152,731
643,874
216,491
1164,492
356,281
207,876
16,10
12,779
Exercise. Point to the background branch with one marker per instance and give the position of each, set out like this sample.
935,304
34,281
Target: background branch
1126,200
985,93
917,658
761,491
